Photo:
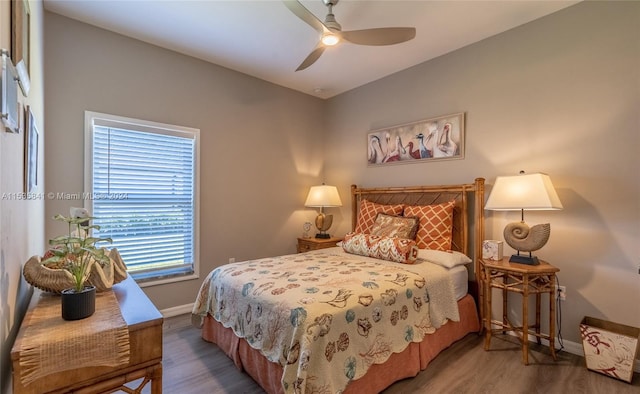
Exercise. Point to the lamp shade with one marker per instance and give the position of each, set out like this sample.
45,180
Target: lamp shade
525,191
323,196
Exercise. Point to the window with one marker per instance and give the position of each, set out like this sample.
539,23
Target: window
141,185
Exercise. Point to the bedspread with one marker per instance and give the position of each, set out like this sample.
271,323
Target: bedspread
326,315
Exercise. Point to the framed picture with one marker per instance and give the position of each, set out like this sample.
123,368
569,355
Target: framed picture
20,41
31,153
9,108
431,139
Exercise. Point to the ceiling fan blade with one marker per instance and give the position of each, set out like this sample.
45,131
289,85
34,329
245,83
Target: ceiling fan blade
306,15
313,56
380,36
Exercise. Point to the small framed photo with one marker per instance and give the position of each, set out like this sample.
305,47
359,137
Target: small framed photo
492,249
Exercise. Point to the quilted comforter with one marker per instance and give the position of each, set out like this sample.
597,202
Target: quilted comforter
326,316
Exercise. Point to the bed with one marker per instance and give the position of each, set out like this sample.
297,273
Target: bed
353,318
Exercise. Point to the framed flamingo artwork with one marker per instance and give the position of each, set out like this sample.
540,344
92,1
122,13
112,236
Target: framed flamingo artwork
440,138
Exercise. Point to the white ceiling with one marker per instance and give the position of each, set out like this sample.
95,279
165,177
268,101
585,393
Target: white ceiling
264,39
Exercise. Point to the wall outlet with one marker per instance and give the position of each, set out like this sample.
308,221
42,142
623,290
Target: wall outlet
562,292
232,260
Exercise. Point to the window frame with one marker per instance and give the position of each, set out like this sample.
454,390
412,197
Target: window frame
154,127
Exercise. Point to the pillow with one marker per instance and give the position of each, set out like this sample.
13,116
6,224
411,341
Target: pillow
394,226
399,250
368,212
447,259
436,225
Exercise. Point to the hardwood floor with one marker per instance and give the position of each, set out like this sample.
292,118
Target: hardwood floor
193,366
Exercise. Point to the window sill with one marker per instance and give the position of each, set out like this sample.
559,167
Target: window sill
144,282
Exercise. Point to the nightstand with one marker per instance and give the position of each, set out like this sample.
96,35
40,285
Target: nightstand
526,280
307,244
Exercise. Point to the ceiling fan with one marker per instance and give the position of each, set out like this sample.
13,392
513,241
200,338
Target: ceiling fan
331,32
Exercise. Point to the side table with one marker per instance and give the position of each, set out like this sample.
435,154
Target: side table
307,244
144,323
526,280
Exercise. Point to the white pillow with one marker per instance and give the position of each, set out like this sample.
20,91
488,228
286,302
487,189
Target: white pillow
447,259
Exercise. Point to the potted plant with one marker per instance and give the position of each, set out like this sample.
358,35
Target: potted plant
76,252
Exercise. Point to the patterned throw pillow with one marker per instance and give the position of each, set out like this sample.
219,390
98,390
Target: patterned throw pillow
368,212
436,225
399,250
394,226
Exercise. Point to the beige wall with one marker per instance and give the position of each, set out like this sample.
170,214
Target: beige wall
558,95
21,221
257,139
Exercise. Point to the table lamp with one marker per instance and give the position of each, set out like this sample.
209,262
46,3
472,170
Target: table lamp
520,192
321,197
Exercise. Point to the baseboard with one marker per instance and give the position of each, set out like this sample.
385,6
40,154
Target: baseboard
177,310
573,348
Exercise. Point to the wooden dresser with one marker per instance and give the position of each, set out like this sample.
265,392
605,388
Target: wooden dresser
144,324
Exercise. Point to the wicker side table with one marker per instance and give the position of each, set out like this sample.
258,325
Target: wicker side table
526,280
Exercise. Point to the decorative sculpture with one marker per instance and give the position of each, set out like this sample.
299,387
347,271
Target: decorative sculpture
54,280
523,238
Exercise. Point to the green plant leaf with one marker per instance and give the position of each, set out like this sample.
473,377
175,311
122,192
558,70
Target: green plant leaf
52,259
78,251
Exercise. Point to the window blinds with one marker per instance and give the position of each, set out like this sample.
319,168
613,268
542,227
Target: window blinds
143,197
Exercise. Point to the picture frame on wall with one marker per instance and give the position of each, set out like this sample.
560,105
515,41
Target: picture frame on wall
31,152
9,106
20,41
438,138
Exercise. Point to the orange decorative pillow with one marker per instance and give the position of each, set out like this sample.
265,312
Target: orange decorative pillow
436,225
368,212
399,250
394,226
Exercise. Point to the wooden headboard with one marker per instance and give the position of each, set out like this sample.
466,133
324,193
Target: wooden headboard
468,213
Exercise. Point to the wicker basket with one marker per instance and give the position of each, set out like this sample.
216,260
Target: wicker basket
609,348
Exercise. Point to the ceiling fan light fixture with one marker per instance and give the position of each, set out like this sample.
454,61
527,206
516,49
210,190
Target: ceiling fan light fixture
330,39
331,32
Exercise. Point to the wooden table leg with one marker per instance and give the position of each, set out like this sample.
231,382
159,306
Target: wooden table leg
538,299
156,379
525,320
487,309
504,304
552,316
481,304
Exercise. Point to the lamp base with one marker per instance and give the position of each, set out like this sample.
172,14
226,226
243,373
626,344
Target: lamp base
529,260
323,222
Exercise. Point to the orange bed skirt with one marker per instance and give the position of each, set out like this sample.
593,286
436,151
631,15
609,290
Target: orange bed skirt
399,366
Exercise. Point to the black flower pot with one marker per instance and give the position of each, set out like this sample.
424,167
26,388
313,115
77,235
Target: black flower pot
78,305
